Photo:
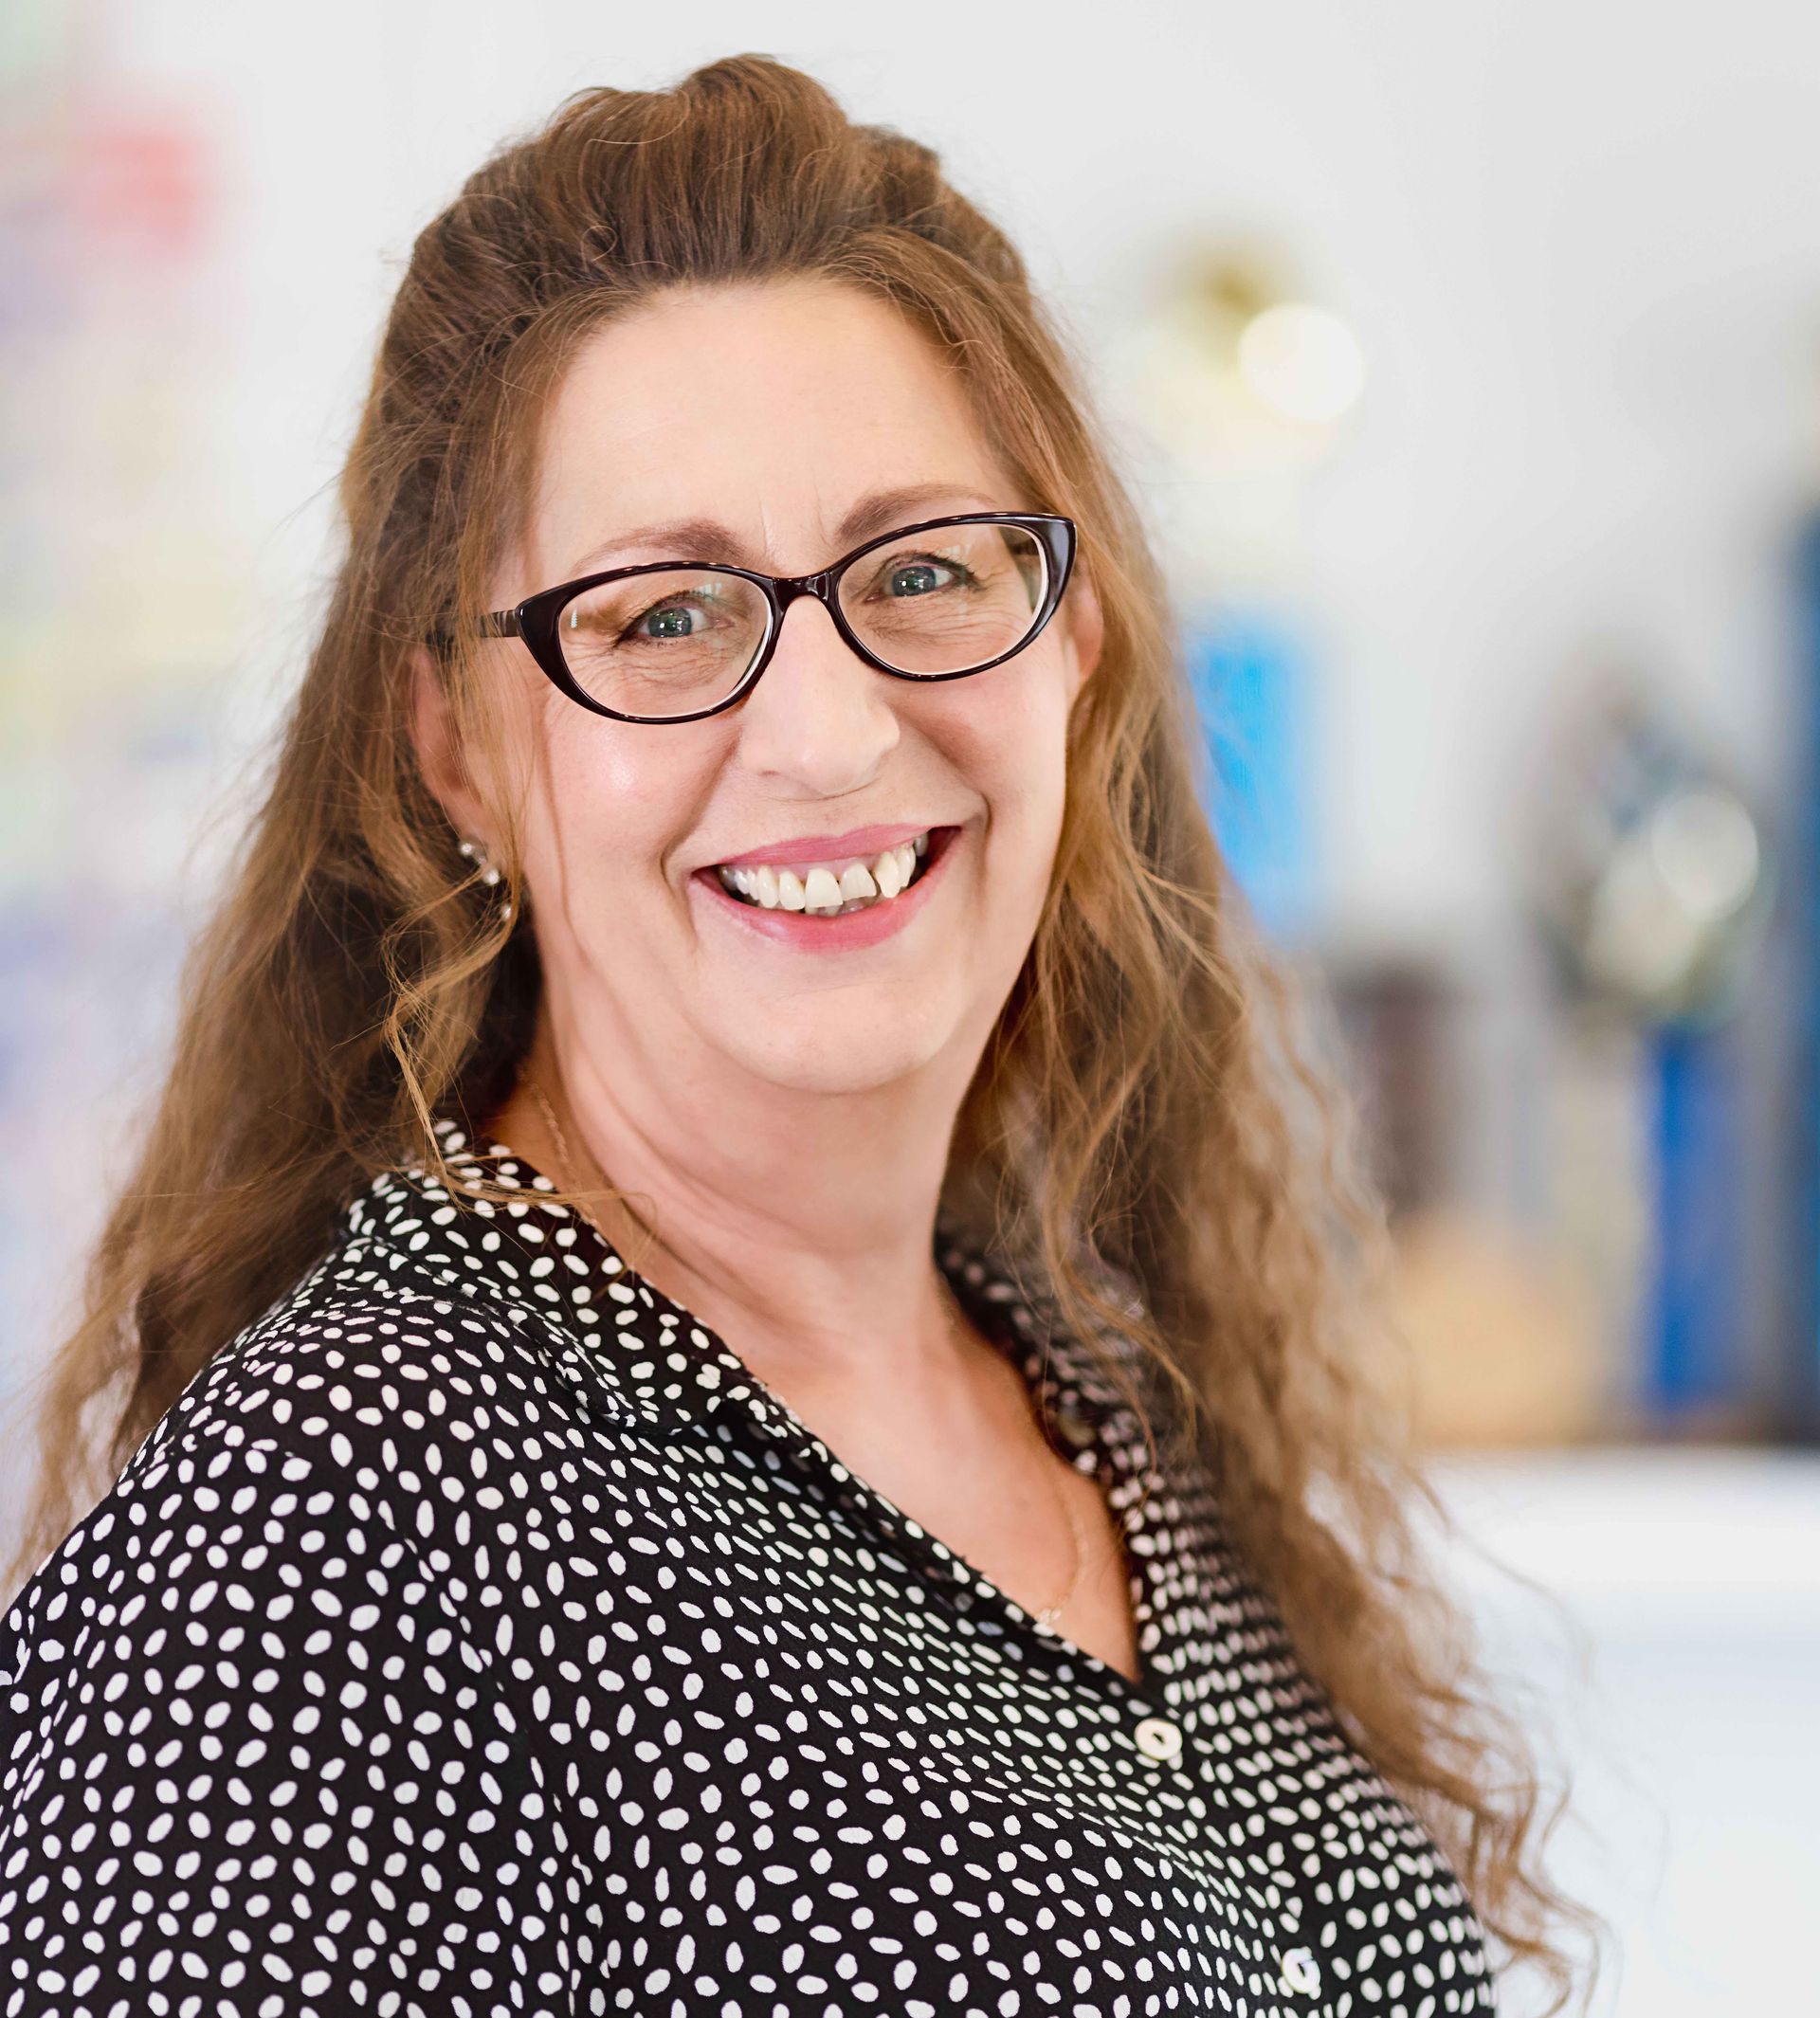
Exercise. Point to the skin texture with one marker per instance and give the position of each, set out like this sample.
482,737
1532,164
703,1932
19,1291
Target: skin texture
785,1115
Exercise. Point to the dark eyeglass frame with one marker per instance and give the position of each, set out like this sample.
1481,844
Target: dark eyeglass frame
535,620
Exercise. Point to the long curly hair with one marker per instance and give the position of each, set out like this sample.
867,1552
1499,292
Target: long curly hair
1150,1108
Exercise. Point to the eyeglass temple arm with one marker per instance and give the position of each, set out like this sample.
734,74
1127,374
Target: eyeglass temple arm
496,624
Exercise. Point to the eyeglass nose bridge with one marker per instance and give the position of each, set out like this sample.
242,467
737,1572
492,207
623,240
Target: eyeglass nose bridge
784,589
781,591
789,587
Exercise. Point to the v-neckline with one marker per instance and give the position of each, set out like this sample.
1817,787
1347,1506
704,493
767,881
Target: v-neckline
1066,1383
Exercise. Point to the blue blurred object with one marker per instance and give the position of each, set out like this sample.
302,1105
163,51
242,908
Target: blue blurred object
1800,1287
1250,675
1692,1324
1655,887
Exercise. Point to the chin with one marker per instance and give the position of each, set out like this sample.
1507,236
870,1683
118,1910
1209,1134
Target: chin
838,1051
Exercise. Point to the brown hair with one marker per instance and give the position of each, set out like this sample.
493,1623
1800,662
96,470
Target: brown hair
1145,1108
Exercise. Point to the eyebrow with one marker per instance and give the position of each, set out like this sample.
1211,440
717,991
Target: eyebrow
708,539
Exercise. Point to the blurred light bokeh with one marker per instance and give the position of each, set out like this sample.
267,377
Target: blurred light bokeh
1467,360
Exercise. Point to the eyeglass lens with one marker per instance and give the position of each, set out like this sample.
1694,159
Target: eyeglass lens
677,640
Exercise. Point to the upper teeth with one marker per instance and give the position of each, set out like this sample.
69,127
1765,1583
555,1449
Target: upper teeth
828,887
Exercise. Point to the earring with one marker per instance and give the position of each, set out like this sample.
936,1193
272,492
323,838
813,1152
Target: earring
476,852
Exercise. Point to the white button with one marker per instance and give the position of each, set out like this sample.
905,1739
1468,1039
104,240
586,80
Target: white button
1300,1971
1158,1739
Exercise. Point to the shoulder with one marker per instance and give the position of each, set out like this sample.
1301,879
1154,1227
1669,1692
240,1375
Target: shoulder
371,1400
369,1432
424,1332
366,1362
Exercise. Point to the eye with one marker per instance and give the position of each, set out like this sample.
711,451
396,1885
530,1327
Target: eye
678,613
911,577
919,577
668,620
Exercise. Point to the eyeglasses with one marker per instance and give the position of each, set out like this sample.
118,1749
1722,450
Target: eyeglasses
676,641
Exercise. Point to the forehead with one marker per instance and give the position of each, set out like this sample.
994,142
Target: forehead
770,408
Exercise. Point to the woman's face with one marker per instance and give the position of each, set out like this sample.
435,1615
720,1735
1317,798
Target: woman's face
781,411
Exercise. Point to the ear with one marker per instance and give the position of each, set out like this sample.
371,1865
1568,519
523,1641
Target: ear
438,745
1086,628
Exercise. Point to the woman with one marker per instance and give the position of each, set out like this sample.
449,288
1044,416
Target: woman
734,1373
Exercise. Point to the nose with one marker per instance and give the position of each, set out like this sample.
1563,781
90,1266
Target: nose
820,715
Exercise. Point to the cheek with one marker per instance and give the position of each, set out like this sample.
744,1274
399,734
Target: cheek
617,801
1019,752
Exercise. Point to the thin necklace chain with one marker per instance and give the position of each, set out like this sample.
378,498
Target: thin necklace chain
955,1315
1049,1613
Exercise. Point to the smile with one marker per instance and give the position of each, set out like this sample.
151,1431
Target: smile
831,888
834,906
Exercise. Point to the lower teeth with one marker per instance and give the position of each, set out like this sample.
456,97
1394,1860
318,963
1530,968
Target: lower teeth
853,903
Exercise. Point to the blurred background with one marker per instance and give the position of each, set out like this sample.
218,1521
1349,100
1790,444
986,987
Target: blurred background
1465,358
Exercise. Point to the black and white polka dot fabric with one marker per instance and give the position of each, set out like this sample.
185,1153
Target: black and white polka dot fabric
477,1634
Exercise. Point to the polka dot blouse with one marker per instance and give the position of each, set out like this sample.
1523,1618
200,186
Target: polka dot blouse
477,1634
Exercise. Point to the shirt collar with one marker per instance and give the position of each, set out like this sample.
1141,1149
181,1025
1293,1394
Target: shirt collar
644,1355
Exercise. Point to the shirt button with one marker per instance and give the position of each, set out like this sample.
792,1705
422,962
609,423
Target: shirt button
1300,1971
1158,1739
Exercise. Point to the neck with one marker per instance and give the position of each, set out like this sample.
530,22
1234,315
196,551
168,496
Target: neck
775,1217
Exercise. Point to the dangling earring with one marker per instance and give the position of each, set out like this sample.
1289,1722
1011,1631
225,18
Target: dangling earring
476,852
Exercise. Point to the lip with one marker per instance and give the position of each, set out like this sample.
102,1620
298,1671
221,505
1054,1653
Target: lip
819,847
845,934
